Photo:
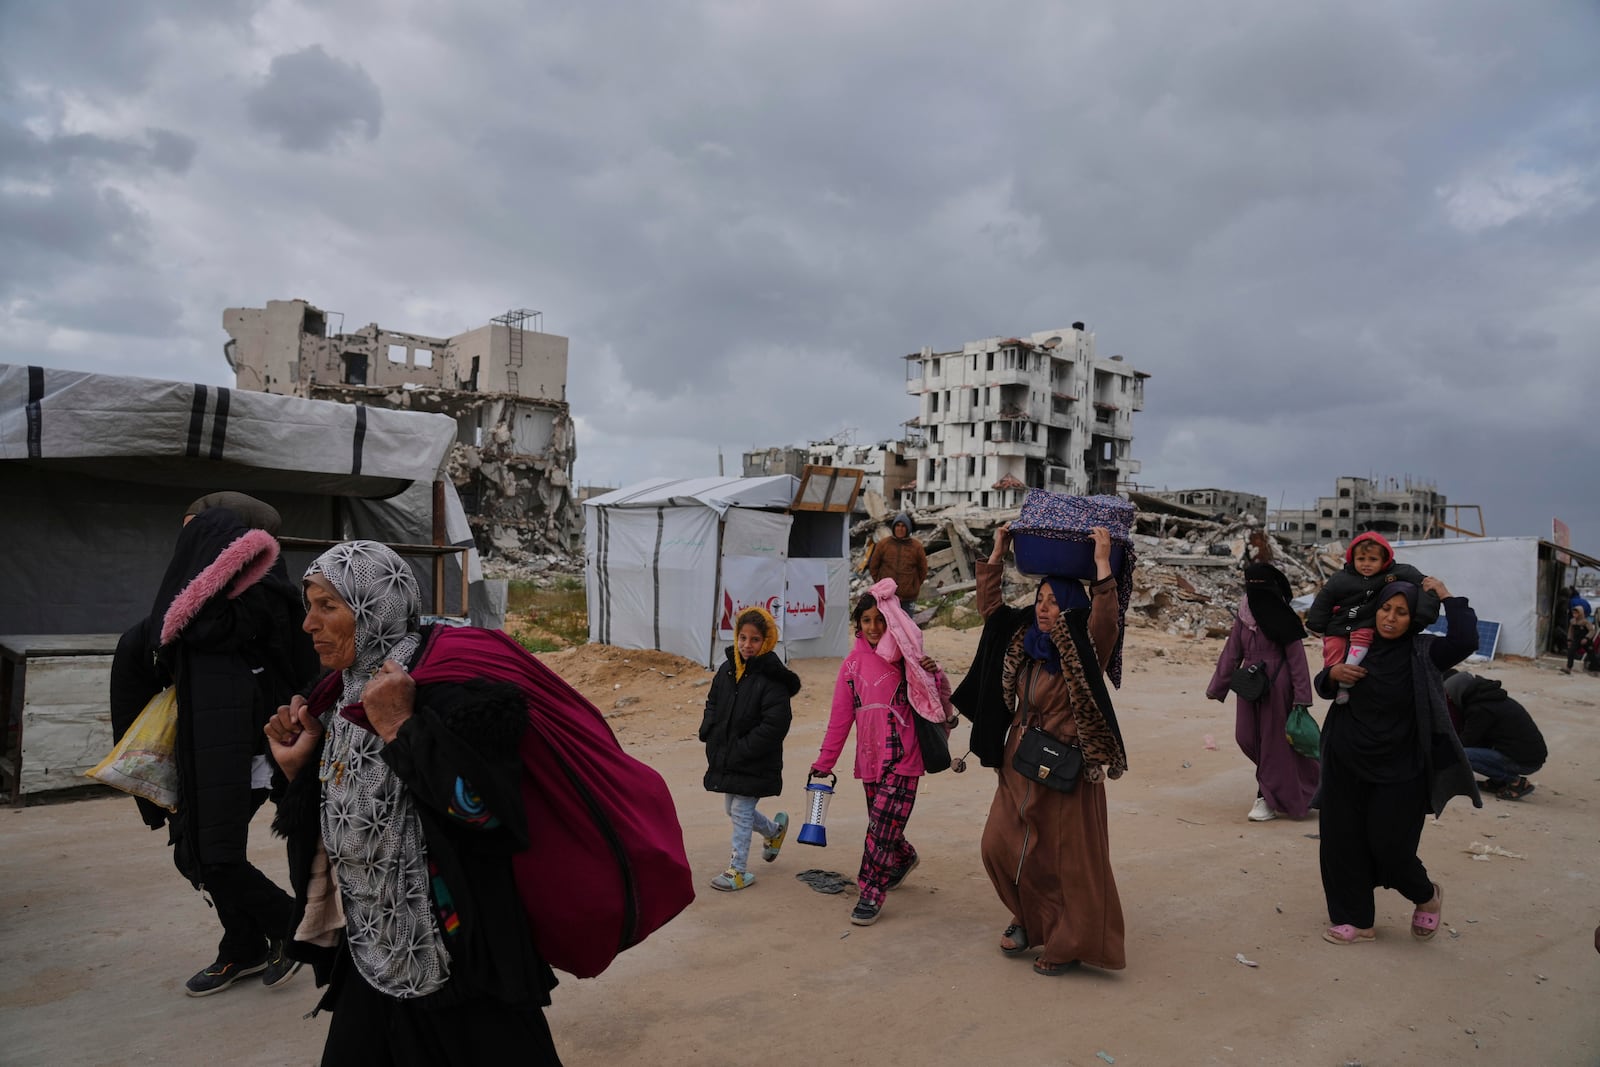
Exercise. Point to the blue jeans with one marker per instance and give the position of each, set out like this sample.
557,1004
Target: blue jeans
746,821
1494,766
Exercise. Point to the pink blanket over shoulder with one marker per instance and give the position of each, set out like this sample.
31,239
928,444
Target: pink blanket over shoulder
929,698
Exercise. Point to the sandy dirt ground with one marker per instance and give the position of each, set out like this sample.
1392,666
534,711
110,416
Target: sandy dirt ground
98,933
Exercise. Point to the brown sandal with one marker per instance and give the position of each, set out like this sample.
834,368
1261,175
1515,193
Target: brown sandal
1053,970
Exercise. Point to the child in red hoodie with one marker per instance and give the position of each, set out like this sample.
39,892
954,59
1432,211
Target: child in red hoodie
1347,603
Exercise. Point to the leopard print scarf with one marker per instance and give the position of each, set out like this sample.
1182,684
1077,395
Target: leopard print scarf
1103,754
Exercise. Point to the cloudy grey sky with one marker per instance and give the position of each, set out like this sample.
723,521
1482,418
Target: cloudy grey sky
1344,238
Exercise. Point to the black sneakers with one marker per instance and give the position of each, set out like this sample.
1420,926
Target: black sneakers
222,974
898,875
280,968
865,914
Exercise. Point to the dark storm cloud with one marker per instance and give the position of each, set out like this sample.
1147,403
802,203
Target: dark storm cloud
1344,238
56,207
310,100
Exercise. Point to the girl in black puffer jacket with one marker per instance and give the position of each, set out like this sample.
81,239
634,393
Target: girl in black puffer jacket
747,717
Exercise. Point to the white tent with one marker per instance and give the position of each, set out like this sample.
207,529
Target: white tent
95,473
96,470
1515,581
670,562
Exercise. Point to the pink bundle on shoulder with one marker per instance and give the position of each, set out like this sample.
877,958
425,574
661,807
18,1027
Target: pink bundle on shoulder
929,692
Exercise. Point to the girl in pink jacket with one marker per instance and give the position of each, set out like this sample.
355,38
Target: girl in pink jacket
871,694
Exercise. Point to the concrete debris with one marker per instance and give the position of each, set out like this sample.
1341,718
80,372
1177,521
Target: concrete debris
1187,581
504,384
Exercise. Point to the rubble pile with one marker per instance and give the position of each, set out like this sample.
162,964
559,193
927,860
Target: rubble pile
1187,580
542,570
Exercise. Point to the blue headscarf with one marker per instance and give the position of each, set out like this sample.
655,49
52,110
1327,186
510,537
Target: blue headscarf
1069,595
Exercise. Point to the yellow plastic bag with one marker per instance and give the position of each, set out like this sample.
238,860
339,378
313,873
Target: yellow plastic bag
143,763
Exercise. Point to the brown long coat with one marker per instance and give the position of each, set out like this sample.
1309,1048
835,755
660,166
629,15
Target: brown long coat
1048,854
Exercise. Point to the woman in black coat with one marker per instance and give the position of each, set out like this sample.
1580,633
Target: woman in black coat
746,719
1389,757
226,630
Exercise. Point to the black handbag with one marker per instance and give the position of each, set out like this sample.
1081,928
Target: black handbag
1042,758
1252,682
934,741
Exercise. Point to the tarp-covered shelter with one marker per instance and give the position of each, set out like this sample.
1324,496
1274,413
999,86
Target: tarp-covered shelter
669,563
96,471
1515,581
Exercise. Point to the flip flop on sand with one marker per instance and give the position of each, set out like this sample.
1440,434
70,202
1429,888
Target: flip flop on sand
1345,934
1424,924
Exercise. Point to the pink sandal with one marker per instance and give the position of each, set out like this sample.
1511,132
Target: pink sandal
1424,924
1345,934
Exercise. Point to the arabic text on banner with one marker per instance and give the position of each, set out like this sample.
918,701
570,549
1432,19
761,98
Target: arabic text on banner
806,600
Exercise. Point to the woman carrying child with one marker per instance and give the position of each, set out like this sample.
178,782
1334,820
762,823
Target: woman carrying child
1343,608
1268,631
746,719
879,681
1390,755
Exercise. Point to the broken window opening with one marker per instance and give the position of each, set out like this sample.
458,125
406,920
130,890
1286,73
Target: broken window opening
423,357
355,368
397,354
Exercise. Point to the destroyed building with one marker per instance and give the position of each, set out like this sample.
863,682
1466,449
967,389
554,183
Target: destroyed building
887,467
1413,510
505,384
1216,503
1006,414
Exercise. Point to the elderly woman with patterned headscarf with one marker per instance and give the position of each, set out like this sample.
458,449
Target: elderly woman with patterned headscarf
1389,757
402,809
1268,632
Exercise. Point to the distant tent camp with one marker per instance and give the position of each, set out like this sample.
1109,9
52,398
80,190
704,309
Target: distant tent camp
1515,581
670,562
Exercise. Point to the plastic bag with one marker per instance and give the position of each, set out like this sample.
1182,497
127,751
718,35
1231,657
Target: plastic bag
143,762
1304,735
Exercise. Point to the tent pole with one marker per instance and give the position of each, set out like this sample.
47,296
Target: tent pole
439,539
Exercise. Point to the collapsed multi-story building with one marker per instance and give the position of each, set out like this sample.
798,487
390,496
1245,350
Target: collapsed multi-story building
1413,510
1008,414
504,383
886,466
1219,503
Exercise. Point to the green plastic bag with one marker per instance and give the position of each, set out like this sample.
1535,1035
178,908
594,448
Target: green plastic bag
1305,737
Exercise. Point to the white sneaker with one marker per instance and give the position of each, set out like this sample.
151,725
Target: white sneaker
1262,813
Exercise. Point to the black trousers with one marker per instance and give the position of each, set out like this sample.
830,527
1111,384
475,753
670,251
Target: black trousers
1369,837
250,906
372,1029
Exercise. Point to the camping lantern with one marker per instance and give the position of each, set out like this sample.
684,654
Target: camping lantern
818,795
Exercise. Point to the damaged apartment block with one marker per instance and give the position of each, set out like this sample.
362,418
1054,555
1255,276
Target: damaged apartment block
505,384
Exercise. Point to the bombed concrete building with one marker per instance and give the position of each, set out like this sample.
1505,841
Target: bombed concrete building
1007,414
1409,509
504,383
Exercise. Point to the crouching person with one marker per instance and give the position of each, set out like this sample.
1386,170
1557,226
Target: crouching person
1500,738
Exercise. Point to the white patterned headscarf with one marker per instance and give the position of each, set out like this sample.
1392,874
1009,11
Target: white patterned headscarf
380,590
369,821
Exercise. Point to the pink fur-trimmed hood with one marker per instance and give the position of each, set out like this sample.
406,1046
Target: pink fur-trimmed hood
238,567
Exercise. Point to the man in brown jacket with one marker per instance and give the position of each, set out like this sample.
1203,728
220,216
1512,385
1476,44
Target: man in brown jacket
901,557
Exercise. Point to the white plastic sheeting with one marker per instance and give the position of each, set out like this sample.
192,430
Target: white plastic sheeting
651,577
97,469
66,723
665,559
1499,576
